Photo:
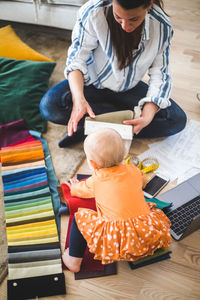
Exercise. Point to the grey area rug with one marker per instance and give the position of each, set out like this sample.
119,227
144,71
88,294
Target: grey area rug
65,160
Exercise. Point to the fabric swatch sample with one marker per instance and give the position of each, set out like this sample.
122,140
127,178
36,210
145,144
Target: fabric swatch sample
13,132
25,288
159,255
34,255
110,269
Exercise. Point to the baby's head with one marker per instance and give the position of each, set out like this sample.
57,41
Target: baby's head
105,147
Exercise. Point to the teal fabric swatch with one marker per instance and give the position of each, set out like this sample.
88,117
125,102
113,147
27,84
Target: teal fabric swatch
159,204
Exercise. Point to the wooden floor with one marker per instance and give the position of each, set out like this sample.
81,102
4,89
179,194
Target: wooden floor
179,277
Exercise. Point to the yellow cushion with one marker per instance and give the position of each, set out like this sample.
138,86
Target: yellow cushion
11,46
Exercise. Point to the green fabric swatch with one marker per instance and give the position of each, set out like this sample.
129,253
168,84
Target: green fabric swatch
27,203
31,208
159,204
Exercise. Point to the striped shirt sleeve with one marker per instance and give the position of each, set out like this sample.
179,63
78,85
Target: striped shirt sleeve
84,41
160,83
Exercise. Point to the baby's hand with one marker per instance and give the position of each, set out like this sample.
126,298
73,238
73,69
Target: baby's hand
72,181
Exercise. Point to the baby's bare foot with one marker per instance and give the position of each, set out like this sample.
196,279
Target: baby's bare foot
71,262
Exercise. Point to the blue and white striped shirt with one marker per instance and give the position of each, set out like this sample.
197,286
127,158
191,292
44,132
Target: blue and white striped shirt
92,53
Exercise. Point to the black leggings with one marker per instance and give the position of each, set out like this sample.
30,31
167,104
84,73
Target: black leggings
77,243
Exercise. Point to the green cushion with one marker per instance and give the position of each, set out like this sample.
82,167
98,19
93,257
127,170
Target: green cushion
22,85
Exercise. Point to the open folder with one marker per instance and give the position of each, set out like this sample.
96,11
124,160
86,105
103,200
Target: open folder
113,120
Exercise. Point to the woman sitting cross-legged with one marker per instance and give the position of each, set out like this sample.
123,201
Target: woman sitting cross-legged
114,43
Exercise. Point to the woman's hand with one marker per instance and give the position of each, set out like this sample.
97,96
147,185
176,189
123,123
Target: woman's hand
145,119
80,108
80,104
72,182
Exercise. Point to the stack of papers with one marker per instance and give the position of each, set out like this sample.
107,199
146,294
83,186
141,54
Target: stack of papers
178,155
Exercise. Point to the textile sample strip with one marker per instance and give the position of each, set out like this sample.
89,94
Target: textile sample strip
34,258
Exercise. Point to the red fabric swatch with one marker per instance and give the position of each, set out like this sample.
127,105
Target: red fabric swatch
14,133
88,264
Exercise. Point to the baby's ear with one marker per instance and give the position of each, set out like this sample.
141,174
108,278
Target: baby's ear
93,164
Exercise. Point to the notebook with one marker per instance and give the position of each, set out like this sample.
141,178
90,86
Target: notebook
159,255
113,120
184,213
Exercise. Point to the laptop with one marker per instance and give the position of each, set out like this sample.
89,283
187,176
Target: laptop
184,213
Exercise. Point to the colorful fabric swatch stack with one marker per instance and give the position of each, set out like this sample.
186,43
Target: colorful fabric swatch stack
34,258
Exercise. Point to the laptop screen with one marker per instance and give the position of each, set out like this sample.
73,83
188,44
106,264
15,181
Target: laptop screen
183,192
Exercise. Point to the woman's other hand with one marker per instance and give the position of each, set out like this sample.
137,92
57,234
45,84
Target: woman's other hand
80,108
145,119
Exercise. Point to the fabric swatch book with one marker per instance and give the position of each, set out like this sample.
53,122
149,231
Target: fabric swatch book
159,255
113,120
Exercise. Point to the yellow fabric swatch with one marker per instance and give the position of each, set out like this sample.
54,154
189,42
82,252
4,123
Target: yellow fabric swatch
29,213
12,46
38,224
38,215
30,230
33,236
33,242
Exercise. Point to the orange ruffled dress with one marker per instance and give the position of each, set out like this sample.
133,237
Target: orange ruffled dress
125,226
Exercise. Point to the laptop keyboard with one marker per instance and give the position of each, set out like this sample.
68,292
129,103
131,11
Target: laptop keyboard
182,216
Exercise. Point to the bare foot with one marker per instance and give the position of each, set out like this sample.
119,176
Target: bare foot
71,262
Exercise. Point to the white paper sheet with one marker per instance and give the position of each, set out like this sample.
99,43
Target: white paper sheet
178,154
186,175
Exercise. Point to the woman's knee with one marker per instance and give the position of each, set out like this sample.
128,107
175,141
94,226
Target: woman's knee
182,120
55,103
46,106
180,117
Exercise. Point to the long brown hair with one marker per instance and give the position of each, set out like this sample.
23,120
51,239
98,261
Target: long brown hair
124,43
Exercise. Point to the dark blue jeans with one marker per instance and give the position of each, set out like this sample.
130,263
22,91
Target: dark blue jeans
56,106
